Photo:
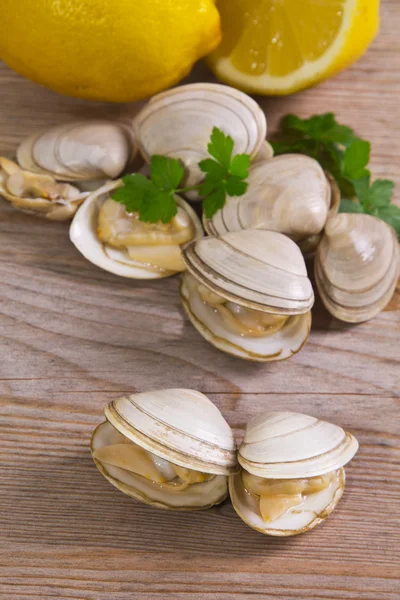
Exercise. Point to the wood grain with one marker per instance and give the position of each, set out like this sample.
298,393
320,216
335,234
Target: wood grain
73,337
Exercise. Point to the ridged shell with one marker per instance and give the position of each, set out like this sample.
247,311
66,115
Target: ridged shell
286,445
277,346
79,151
178,123
357,266
83,234
39,195
288,193
195,497
263,270
180,425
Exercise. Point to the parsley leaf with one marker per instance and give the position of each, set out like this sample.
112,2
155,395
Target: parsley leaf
390,214
166,173
224,176
355,159
381,192
154,198
346,157
349,206
221,147
214,201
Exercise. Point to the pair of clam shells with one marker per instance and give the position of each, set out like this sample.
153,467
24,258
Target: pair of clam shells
184,428
58,167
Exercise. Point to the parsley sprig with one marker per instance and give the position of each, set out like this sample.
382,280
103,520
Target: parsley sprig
346,157
154,198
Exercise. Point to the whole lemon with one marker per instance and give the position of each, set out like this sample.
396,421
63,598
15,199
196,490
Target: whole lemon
116,50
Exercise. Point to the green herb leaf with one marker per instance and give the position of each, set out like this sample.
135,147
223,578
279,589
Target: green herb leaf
381,192
350,206
390,214
214,201
235,186
355,159
221,147
240,166
160,206
213,169
150,199
166,173
345,156
320,127
132,194
225,175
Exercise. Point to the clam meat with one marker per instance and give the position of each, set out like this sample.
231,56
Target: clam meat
36,194
248,294
292,473
169,448
119,242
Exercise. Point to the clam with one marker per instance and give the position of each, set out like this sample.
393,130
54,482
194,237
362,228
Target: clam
178,123
169,448
288,193
265,152
38,194
248,293
120,243
292,473
79,151
357,266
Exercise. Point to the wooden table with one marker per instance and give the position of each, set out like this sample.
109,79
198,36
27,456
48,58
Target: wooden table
73,337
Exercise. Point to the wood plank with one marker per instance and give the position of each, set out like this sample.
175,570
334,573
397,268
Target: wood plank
73,337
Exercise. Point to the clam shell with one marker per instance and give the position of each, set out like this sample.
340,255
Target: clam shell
178,123
316,508
260,269
83,234
288,193
277,346
286,445
195,497
180,425
357,266
37,194
82,150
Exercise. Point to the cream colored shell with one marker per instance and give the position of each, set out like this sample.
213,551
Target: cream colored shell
195,497
315,509
264,270
288,193
83,234
180,425
357,266
278,346
39,195
286,445
79,151
178,123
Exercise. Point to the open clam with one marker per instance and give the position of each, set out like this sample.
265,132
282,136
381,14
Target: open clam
178,124
288,193
79,151
120,243
169,448
36,194
248,293
357,266
292,472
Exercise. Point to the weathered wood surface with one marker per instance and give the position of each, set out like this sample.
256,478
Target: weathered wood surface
73,337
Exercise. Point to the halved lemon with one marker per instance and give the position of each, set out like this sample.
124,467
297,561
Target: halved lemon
282,46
